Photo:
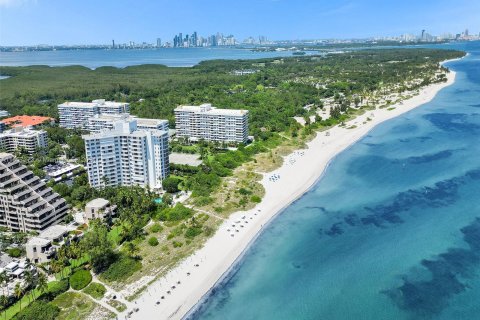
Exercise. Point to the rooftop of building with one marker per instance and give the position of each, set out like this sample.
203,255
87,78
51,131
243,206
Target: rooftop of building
60,168
22,132
37,241
53,232
5,155
5,259
98,102
26,121
208,109
124,128
127,117
97,203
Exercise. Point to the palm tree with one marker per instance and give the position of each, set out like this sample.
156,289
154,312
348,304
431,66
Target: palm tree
55,267
18,291
3,278
131,249
29,281
4,303
42,284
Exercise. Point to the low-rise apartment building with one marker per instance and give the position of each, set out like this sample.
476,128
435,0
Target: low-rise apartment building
27,121
75,115
127,156
26,203
24,138
43,247
99,209
205,122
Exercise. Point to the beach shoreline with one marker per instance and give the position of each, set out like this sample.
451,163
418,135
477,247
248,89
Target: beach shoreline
193,279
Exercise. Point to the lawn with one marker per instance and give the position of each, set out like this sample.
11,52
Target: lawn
26,300
115,234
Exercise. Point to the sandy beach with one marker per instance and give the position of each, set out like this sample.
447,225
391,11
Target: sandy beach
183,287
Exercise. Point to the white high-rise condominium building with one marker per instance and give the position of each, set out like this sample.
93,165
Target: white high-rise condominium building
75,115
126,155
26,203
27,139
106,121
205,122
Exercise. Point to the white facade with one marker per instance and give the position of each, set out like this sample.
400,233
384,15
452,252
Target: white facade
99,209
43,248
106,121
128,156
75,115
28,139
205,122
26,203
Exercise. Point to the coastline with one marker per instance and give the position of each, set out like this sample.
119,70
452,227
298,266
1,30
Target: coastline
199,273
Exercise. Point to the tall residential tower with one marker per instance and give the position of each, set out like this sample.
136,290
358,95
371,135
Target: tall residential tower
126,155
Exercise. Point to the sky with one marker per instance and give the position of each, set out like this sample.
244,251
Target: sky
31,22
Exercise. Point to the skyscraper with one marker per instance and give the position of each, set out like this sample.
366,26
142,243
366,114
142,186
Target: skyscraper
159,42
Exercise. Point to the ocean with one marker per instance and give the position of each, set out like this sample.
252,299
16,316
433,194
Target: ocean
172,57
391,230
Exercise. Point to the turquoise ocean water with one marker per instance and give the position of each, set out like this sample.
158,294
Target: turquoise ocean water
391,231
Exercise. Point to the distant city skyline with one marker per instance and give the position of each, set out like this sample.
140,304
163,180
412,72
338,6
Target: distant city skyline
57,22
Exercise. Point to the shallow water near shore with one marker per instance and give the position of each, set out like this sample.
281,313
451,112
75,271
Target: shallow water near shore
391,231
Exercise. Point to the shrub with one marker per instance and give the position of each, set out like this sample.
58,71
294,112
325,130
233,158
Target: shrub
80,279
177,244
96,290
192,232
170,184
153,241
14,252
155,228
256,199
38,310
121,269
179,212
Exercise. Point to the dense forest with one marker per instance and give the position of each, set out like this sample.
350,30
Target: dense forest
277,91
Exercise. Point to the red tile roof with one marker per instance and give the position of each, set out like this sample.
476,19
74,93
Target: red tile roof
26,121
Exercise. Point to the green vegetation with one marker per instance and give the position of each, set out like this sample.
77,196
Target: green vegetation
170,184
100,248
121,269
155,228
177,213
227,181
38,310
55,288
117,305
80,279
15,252
96,290
76,306
153,241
